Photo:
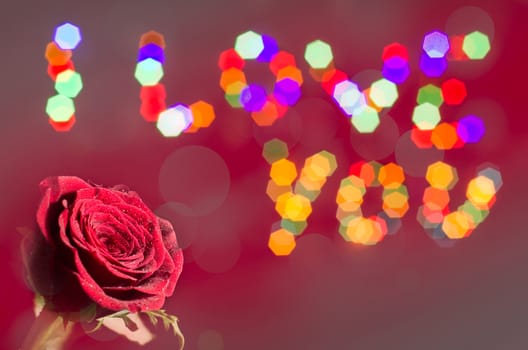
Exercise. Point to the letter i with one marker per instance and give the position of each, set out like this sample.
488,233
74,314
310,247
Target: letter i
68,83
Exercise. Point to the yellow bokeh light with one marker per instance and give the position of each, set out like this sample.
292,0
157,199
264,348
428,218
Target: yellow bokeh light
281,242
457,225
273,190
311,184
349,193
395,205
391,174
480,191
441,175
322,164
280,205
297,208
283,172
364,231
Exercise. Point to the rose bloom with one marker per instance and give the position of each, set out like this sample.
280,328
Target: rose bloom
101,245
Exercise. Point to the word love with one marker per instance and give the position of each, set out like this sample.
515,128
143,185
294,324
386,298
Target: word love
293,196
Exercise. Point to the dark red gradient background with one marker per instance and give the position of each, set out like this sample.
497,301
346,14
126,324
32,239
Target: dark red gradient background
405,293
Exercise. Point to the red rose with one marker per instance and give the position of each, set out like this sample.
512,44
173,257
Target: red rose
101,245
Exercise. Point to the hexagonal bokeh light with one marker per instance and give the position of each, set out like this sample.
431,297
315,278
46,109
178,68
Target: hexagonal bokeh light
67,36
175,120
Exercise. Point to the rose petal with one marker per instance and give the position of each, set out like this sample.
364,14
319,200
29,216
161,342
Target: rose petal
55,188
62,185
159,282
171,244
98,266
97,294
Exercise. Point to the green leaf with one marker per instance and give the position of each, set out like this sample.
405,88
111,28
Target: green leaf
169,322
152,318
119,314
97,327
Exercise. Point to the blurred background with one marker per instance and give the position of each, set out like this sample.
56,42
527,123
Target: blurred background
407,292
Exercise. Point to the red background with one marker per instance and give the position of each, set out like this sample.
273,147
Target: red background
407,292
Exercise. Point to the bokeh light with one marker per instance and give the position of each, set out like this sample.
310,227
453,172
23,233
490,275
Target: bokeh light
436,44
67,36
60,108
435,216
383,93
430,94
476,45
249,45
356,228
68,83
175,120
454,91
195,177
426,116
265,108
318,54
148,72
281,242
366,119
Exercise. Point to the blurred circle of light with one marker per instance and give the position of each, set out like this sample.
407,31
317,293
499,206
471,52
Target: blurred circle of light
175,120
366,77
415,160
468,19
288,128
313,258
217,252
320,123
197,177
210,340
380,143
182,220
